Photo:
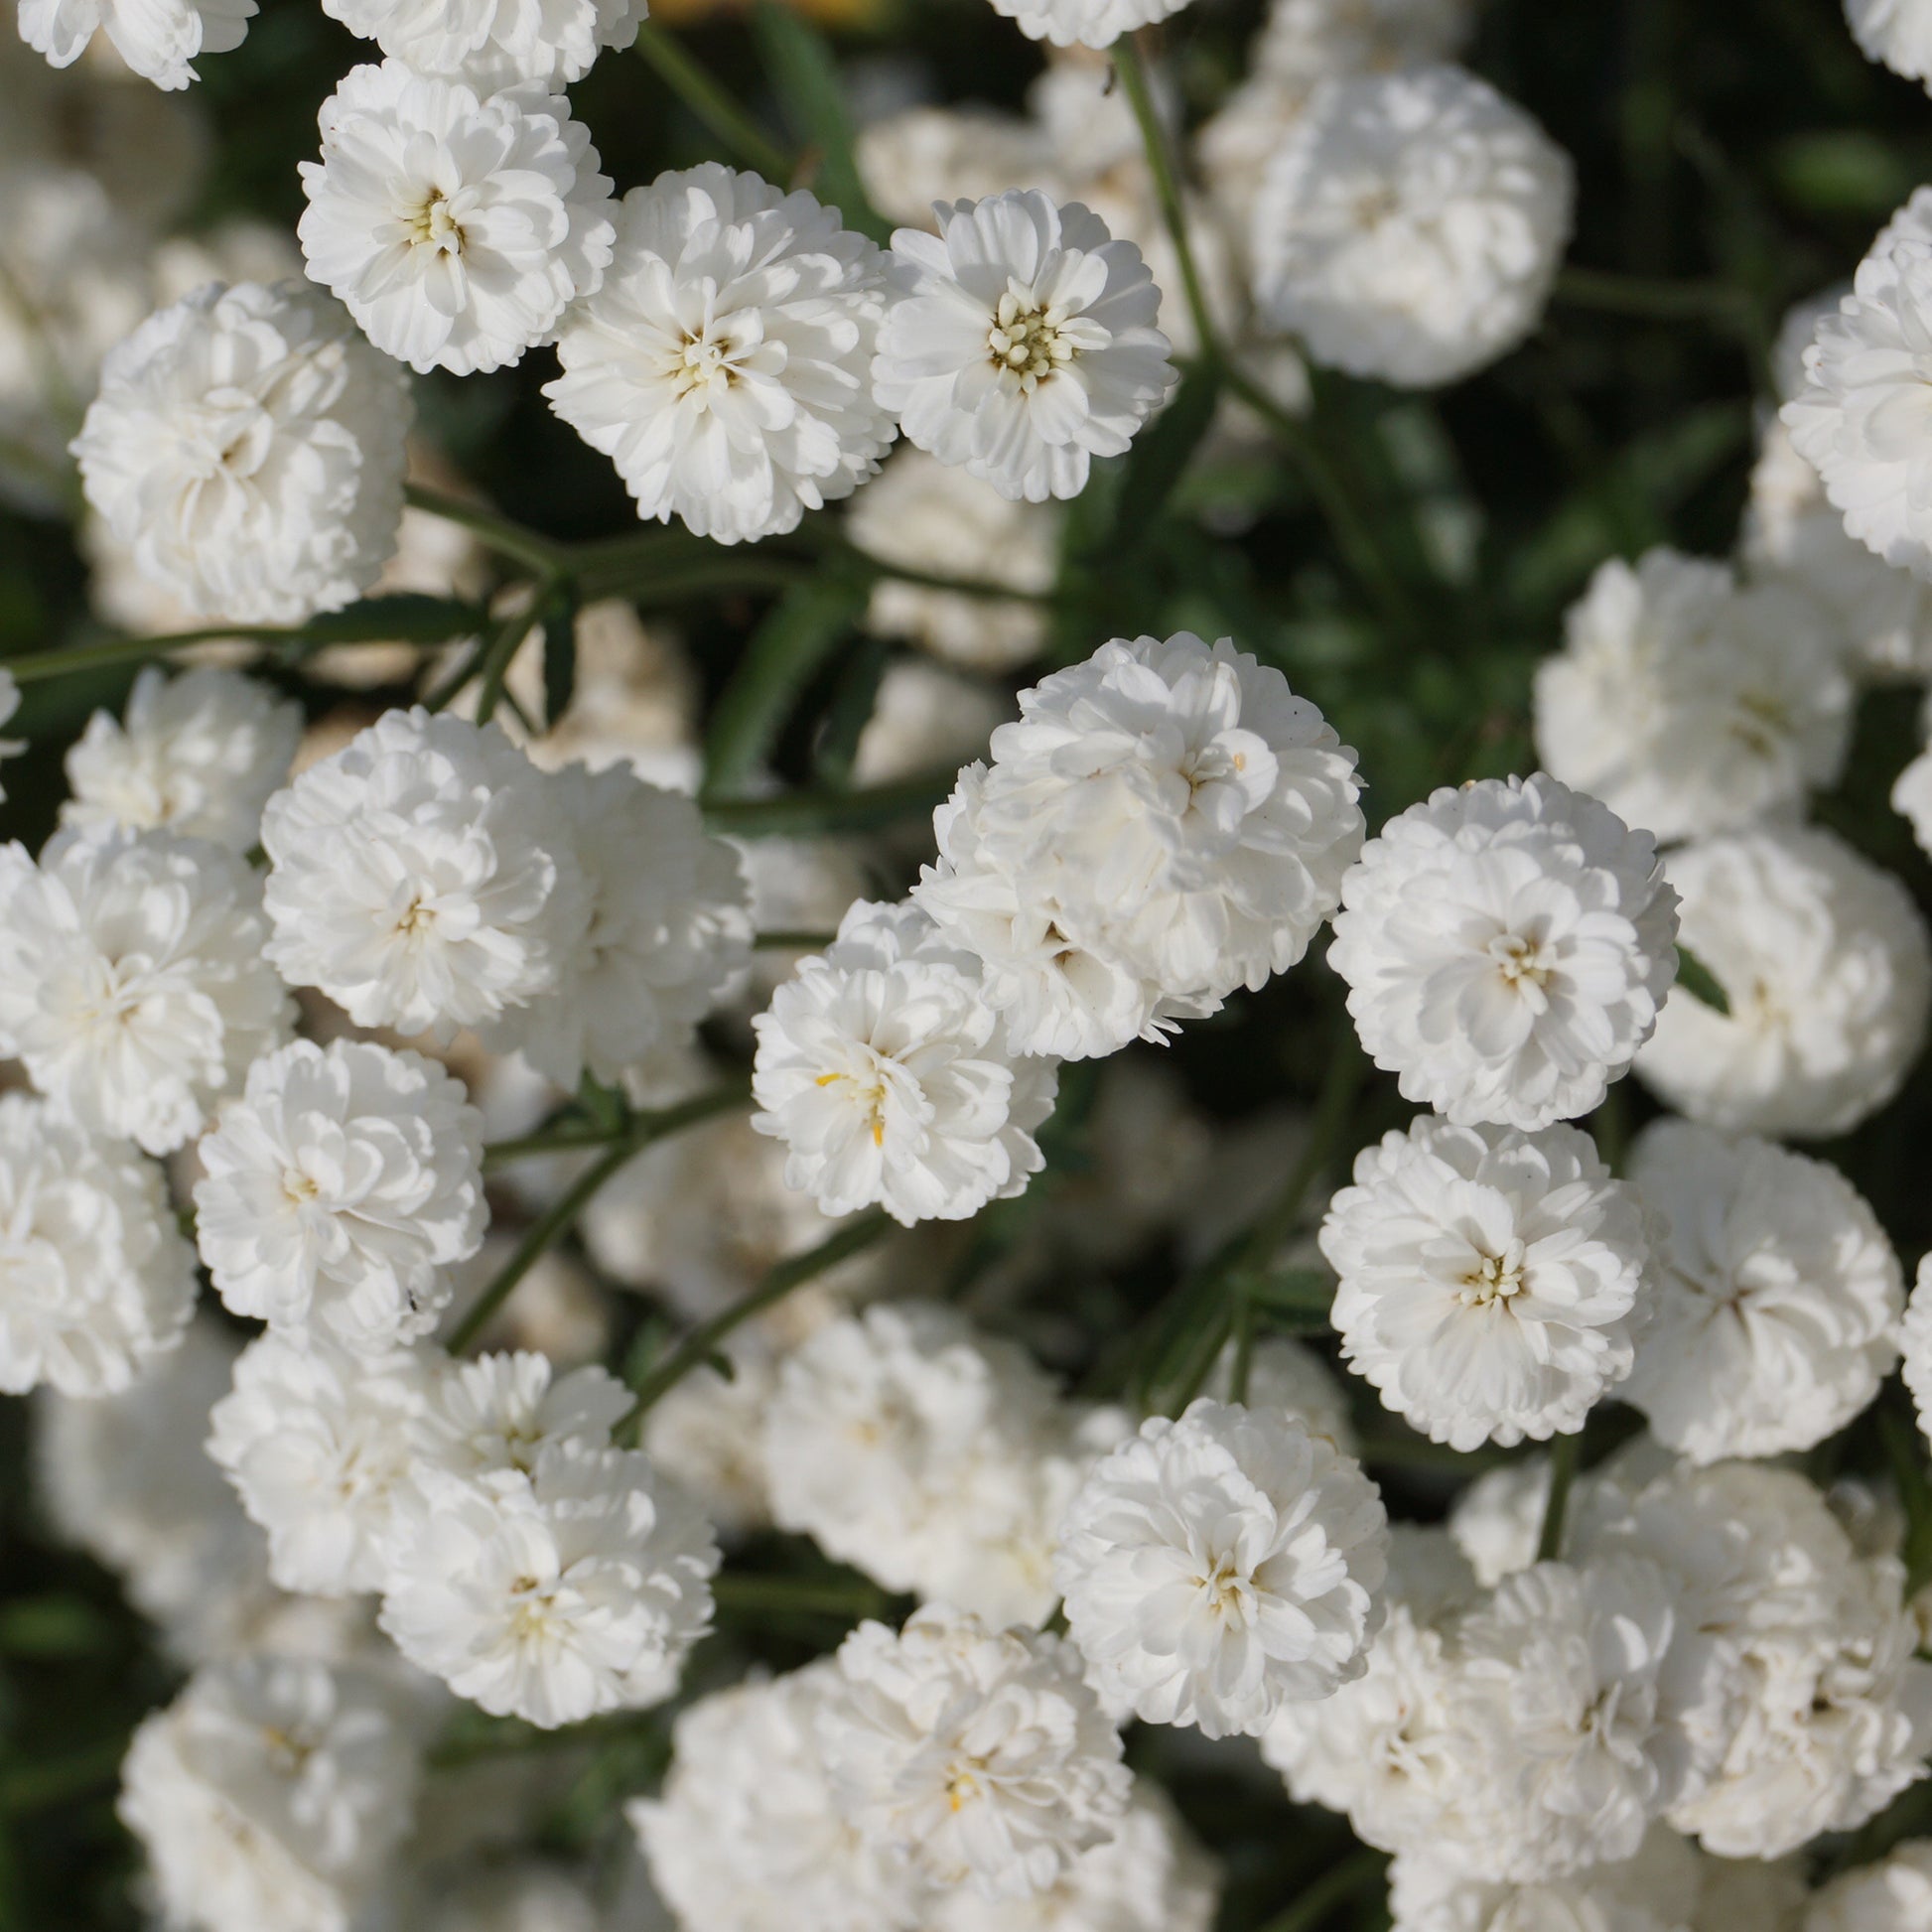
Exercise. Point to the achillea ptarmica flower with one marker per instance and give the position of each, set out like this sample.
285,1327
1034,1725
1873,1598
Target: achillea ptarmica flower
158,39
1084,23
493,43
1896,31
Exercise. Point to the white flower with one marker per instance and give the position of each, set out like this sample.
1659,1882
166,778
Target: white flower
1826,966
318,1444
1084,23
1490,1278
425,878
197,755
1893,1894
155,38
503,1410
1896,31
927,515
920,156
1860,421
550,1595
1917,1335
1220,1567
493,43
1687,705
1777,1300
722,366
924,719
1314,40
744,1835
95,1280
974,1756
703,1435
669,932
247,448
1911,797
455,228
887,1074
271,1793
132,981
1507,945
339,1190
1288,1376
1652,1891
1165,823
1410,225
521,1896
1022,344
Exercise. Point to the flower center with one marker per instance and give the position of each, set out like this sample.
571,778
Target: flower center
1224,1588
1520,961
1494,1278
1027,340
706,363
300,1188
868,1095
433,225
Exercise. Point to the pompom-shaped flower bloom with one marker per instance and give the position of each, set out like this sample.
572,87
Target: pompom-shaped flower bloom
1411,226
883,1068
1896,31
1687,705
95,1280
1895,1894
973,1756
722,366
1861,421
1657,1891
271,1792
1220,1567
1826,968
424,878
1021,345
317,1443
552,1594
1917,1337
1084,23
1307,40
158,39
493,43
339,1190
669,932
744,1835
132,982
455,228
503,1410
1490,1278
1775,1314
1165,823
246,448
1507,945
197,755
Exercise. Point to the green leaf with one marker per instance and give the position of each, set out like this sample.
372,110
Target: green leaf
850,711
1161,454
806,80
1291,1291
1697,979
559,621
406,618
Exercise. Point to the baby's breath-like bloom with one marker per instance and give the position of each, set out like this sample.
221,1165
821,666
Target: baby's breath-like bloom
1084,23
493,43
1893,1894
158,39
1896,31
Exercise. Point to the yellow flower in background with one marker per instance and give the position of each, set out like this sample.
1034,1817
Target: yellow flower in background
833,13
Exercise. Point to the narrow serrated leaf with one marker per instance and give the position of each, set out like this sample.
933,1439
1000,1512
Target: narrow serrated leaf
1697,979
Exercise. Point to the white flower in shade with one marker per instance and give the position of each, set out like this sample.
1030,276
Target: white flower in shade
425,877
1307,40
1654,1891
722,366
976,1758
550,1595
1826,968
1150,1877
1911,798
931,516
1490,1278
1164,823
669,932
246,447
271,1793
1777,1301
1859,420
885,1072
339,1190
1896,31
503,1410
1689,704
95,1280
1084,23
923,154
197,755
1916,1337
1894,1893
925,719
1022,344
1507,945
1288,1377
1410,225
493,43
744,1835
318,1444
158,39
455,228
1802,1703
528,1895
132,982
1220,1567
704,1434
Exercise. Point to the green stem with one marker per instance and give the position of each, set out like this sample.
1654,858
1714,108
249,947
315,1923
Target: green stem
498,657
703,1341
1564,1453
1339,1884
494,532
781,940
1636,295
713,105
549,1227
805,814
809,1596
1129,65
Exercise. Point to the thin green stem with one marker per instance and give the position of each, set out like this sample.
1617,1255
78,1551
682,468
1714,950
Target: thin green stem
500,652
1565,1452
803,814
1128,64
703,1341
807,1596
1657,301
779,939
1339,1884
550,1226
713,104
494,531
